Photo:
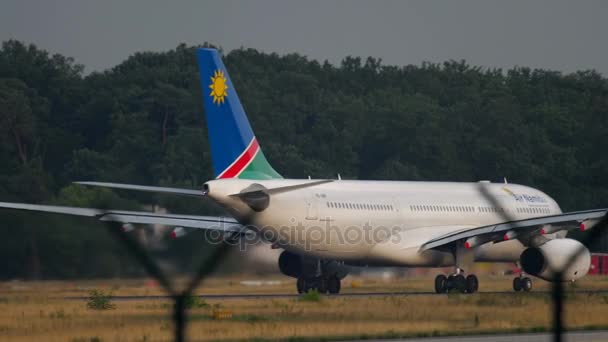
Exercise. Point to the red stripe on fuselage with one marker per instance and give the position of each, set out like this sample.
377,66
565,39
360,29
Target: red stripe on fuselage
240,164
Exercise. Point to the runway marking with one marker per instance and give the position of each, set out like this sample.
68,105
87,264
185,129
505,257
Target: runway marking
571,336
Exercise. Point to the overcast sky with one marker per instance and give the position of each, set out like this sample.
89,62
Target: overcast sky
559,35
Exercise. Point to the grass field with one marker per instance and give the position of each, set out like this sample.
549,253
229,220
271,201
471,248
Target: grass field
37,312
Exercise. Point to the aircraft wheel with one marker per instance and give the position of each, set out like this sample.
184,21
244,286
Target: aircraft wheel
517,284
333,285
460,283
301,285
526,284
323,285
441,284
450,283
472,283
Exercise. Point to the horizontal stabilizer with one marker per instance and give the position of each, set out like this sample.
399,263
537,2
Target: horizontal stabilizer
281,189
158,189
225,224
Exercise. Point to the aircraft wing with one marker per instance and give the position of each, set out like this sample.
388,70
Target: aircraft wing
225,224
515,229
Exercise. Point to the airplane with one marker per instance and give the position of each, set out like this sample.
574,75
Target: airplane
327,226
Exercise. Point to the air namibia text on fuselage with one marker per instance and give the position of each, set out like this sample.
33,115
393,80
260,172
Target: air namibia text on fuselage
529,198
525,197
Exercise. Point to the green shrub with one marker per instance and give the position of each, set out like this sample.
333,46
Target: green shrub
99,300
311,296
194,302
85,339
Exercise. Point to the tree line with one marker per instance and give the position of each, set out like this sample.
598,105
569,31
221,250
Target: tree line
142,122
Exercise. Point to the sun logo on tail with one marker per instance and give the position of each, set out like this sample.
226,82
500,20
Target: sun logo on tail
218,86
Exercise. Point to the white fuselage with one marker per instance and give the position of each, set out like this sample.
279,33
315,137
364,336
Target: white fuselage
384,222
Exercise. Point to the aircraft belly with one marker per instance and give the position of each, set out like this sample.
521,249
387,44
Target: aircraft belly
320,238
403,249
507,251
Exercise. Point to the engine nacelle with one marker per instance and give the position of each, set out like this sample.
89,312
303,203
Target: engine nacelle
553,256
290,264
256,197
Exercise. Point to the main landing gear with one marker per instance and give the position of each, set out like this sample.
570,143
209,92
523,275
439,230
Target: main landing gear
329,285
522,283
457,282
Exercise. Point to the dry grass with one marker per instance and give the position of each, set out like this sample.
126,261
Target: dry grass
35,312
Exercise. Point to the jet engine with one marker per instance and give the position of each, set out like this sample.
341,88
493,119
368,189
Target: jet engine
555,255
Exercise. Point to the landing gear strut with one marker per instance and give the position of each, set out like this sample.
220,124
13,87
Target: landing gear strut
457,282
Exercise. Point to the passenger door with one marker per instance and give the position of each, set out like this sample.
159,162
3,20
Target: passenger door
312,210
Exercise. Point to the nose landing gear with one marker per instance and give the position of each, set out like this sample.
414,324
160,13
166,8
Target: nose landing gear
522,283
